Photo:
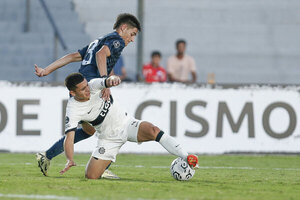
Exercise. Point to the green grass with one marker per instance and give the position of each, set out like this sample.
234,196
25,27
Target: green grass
219,177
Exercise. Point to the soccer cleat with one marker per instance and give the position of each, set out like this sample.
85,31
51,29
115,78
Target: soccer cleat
192,160
43,162
107,174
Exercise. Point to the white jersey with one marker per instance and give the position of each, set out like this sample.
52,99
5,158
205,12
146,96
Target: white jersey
106,116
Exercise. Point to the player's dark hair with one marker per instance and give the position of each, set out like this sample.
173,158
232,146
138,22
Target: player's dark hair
72,80
180,41
155,53
129,19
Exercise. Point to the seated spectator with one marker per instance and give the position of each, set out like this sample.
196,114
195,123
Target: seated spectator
153,72
119,70
181,66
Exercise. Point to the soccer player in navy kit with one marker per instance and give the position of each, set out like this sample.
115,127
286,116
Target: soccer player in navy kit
97,60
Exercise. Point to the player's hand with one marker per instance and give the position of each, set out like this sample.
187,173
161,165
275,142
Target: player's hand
39,71
113,81
70,163
106,94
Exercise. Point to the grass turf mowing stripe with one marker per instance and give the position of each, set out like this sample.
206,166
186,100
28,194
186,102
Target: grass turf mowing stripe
165,167
33,196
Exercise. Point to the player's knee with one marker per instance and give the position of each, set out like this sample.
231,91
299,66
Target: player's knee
91,176
89,130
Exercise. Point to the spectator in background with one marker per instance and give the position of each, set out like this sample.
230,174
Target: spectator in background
153,72
181,66
119,70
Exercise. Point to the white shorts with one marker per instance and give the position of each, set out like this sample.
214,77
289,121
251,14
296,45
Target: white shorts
107,149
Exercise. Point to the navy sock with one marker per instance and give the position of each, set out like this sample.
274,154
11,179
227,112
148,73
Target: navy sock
108,166
159,135
58,147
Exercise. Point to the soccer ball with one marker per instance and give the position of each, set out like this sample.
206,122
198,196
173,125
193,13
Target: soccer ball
180,170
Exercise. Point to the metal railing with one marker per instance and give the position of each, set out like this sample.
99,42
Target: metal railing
52,22
57,35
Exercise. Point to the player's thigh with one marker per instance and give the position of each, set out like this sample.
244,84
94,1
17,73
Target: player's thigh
88,128
147,132
95,168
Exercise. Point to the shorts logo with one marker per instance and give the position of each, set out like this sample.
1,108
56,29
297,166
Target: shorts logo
67,119
135,123
116,44
101,150
67,126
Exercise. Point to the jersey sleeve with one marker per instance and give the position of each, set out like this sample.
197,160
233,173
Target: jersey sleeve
71,121
83,51
115,45
97,84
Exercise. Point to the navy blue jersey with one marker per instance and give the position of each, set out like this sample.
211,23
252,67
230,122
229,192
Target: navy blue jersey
89,67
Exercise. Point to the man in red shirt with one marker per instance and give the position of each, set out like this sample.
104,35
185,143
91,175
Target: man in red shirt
153,72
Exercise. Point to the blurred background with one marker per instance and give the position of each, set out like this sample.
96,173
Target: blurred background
232,41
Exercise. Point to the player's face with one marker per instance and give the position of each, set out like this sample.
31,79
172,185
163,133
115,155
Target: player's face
82,92
155,61
129,34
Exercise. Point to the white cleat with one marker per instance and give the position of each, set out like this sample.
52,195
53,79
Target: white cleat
107,174
43,162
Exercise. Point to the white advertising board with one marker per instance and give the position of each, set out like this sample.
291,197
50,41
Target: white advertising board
203,120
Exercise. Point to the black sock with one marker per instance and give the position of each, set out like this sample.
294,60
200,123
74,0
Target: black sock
159,135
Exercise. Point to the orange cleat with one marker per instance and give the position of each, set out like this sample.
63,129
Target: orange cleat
193,161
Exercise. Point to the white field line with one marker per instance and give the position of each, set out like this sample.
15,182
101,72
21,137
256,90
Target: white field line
165,167
26,196
33,196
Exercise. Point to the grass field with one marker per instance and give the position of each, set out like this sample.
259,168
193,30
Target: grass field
147,177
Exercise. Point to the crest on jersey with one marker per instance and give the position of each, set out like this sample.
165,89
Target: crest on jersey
101,150
116,44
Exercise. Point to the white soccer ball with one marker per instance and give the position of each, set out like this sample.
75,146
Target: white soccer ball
180,170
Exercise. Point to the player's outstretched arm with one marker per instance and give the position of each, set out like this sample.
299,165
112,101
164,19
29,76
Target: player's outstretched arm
72,57
69,151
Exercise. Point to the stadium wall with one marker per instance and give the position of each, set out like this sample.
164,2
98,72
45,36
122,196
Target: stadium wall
203,119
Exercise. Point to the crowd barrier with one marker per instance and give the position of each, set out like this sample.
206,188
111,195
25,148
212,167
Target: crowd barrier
203,119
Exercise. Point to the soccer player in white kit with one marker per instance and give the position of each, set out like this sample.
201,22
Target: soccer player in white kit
113,125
